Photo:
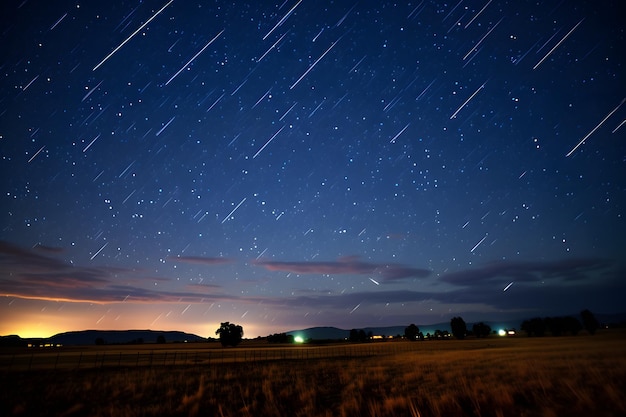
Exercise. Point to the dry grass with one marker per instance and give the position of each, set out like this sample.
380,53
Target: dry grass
569,376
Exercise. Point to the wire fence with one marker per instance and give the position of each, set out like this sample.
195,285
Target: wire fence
91,358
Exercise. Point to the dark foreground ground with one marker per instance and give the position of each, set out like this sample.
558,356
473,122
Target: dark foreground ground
566,376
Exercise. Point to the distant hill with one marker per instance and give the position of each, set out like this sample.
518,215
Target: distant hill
321,333
88,337
334,333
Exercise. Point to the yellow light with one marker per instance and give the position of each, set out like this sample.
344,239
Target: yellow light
501,332
298,339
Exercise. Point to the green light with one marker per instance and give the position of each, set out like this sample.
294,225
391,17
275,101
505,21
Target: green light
298,339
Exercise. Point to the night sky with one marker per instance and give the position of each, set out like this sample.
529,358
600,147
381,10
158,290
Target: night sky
171,165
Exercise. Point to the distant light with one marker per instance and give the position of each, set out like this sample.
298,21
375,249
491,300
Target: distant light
502,332
298,339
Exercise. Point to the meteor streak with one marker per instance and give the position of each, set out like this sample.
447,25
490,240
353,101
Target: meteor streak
399,133
313,65
596,128
478,244
467,101
194,57
557,45
131,36
281,21
235,209
268,142
99,250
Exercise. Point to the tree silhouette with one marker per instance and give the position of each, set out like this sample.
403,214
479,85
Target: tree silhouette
280,338
230,334
572,325
411,332
481,329
590,323
358,335
160,339
458,327
534,327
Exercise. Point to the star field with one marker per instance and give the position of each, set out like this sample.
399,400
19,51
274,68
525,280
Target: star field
174,164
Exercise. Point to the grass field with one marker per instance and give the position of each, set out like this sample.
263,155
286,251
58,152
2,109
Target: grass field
566,376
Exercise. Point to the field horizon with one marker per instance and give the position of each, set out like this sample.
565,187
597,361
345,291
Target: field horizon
520,376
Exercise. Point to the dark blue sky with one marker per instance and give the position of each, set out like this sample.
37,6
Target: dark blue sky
175,164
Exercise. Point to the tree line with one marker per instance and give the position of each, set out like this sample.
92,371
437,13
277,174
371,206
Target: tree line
558,326
231,334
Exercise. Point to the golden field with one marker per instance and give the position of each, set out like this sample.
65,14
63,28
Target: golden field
520,376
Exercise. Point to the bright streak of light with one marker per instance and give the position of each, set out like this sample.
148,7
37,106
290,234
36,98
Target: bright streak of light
36,153
99,250
268,142
58,21
477,14
374,281
272,47
313,65
475,47
478,244
558,44
596,128
91,143
281,21
507,287
467,101
399,133
132,34
155,320
216,101
354,309
261,254
194,57
31,81
91,91
185,310
165,127
287,112
235,209
618,126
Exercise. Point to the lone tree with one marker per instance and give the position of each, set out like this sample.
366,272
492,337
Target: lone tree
481,329
590,323
412,332
230,334
458,327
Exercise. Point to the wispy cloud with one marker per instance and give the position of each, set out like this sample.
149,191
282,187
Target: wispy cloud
531,271
347,266
26,273
558,286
